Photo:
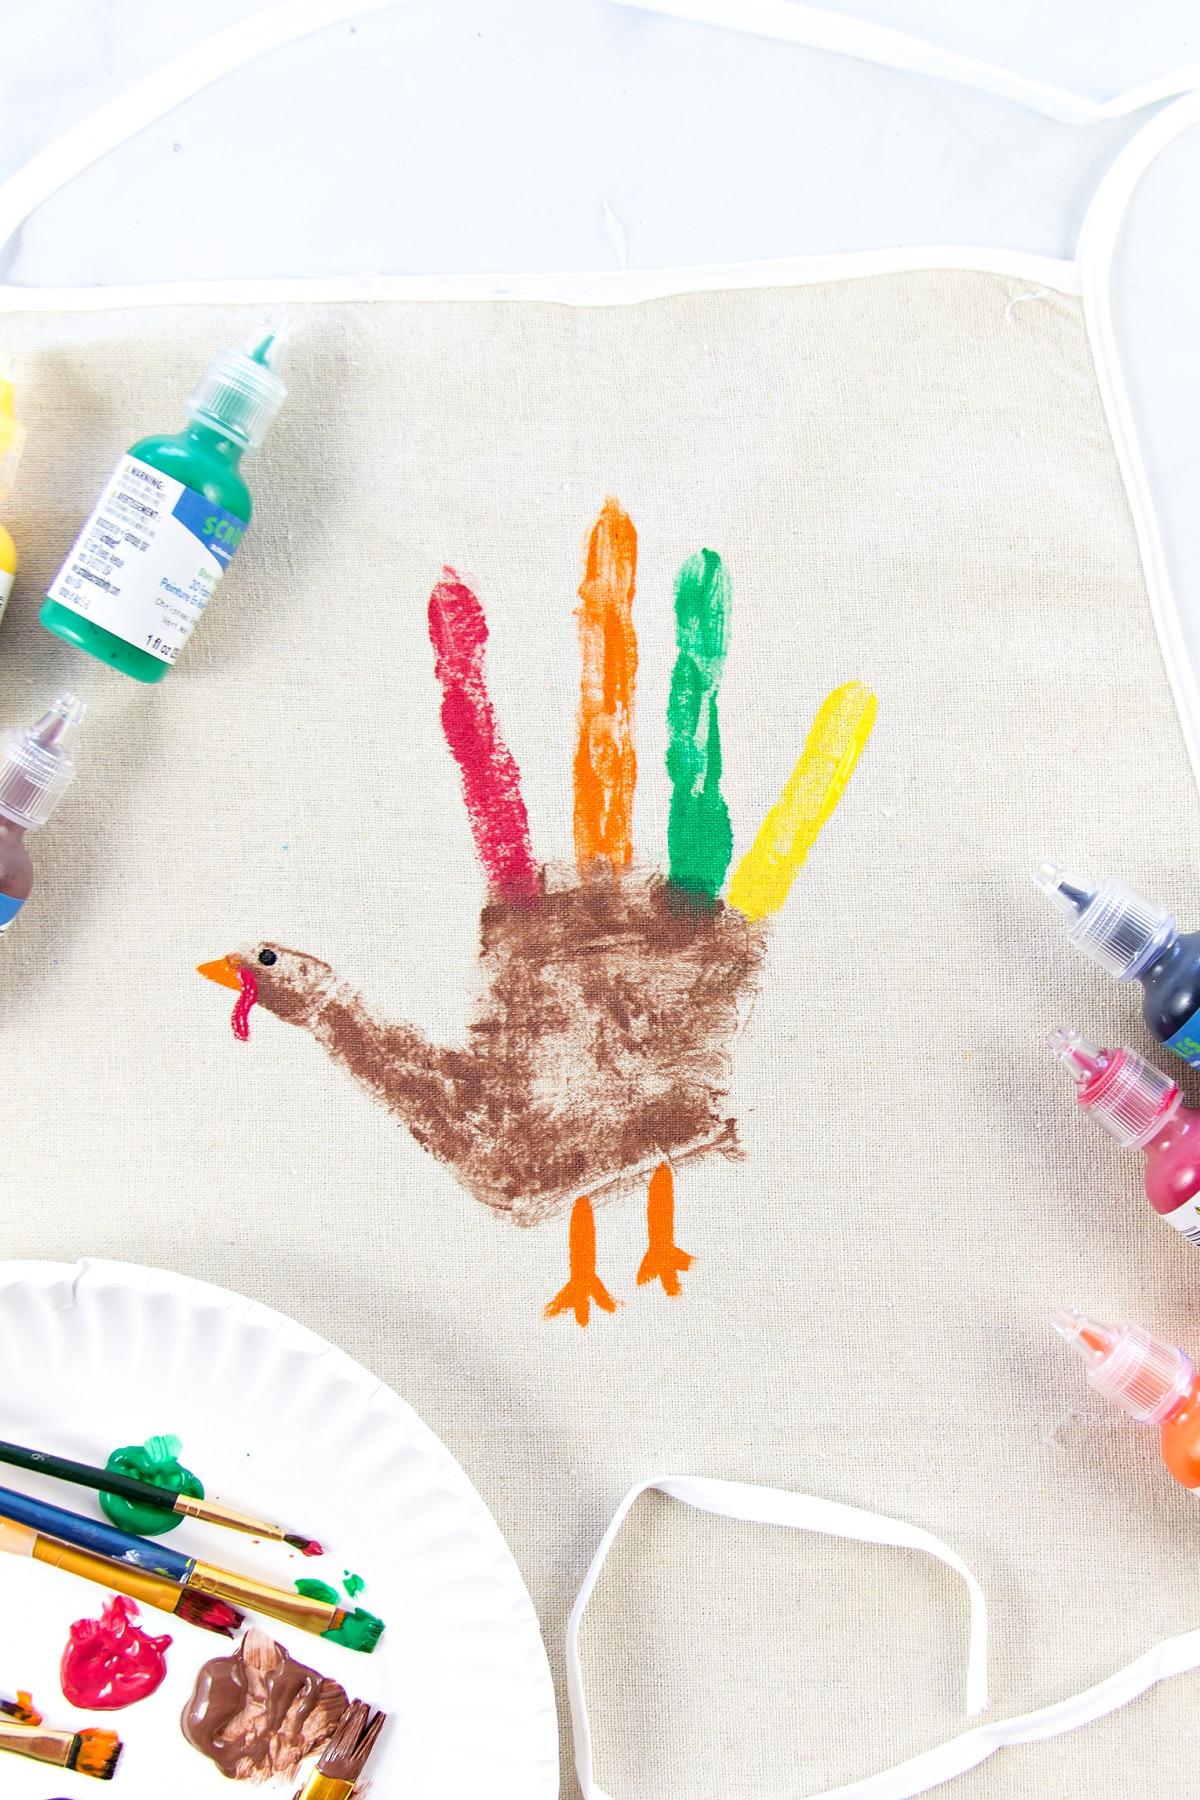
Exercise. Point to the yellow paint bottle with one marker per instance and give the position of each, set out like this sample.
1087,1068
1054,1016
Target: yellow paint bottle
12,442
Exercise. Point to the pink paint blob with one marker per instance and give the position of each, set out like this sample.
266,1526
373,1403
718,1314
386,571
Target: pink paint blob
491,779
110,1662
245,1000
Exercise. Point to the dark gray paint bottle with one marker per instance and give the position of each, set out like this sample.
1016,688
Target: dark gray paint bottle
1135,939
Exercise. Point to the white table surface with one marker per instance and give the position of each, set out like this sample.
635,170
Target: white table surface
486,135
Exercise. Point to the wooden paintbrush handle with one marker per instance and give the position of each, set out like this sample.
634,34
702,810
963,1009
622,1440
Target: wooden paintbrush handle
135,1584
53,1747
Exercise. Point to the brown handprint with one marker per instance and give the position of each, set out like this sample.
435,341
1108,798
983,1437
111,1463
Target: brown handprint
610,996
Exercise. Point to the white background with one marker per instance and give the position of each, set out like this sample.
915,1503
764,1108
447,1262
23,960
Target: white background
489,135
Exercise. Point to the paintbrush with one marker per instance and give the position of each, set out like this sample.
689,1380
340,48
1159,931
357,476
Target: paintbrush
21,1709
144,1493
205,1610
358,1630
85,1752
345,1755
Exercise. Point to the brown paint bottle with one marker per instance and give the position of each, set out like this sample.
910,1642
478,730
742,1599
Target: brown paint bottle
35,772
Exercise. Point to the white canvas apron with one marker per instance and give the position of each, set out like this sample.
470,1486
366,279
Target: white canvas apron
920,474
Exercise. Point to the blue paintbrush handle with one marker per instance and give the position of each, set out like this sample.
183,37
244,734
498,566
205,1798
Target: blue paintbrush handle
94,1534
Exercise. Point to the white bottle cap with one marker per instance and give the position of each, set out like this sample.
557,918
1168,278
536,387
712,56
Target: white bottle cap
240,391
1117,928
35,765
1128,1095
1126,1363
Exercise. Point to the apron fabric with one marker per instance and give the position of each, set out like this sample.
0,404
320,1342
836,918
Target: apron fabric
911,483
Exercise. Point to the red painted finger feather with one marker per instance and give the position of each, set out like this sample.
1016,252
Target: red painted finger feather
490,778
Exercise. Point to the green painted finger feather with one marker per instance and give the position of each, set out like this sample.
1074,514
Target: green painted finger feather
699,835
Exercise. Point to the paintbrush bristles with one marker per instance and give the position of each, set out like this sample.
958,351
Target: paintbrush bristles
22,1709
346,1753
96,1754
210,1612
306,1546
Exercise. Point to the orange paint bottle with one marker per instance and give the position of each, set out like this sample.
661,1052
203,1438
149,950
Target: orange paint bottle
1152,1380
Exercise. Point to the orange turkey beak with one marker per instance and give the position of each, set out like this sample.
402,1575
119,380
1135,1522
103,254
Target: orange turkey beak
224,971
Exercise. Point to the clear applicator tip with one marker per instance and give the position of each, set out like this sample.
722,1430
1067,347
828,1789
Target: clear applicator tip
1149,1378
1092,1341
1108,921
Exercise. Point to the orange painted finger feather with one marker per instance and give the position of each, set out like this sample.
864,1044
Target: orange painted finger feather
605,763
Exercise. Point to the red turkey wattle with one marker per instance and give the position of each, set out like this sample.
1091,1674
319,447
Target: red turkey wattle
245,1000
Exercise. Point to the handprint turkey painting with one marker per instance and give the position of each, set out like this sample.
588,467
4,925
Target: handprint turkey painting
598,1062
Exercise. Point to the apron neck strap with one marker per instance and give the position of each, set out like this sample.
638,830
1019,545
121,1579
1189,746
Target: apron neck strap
809,26
774,1506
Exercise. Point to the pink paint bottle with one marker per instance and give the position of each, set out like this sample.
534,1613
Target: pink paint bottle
1144,1110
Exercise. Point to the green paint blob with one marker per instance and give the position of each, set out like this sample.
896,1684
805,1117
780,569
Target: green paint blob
312,1589
359,1630
699,834
353,1584
156,1461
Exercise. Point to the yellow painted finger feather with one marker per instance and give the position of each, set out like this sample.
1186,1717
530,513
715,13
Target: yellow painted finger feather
842,726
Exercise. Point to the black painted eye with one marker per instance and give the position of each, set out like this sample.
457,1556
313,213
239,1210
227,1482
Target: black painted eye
268,957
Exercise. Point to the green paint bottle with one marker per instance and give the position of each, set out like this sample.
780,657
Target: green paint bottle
174,511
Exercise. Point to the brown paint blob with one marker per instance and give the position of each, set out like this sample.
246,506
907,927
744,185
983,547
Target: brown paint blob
257,1714
601,1044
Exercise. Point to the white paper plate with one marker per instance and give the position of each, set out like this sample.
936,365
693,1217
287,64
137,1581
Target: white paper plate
275,1420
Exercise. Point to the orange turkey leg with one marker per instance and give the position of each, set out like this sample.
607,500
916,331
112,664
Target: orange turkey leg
664,1261
584,1285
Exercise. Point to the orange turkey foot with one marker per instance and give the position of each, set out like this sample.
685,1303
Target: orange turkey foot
664,1261
584,1285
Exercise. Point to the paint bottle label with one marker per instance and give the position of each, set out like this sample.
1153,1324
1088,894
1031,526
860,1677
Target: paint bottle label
1186,1042
6,587
1186,1220
8,911
145,565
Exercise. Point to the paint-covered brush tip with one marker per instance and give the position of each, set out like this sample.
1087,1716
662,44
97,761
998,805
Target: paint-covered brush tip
306,1546
95,1753
359,1630
21,1709
209,1612
345,1755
